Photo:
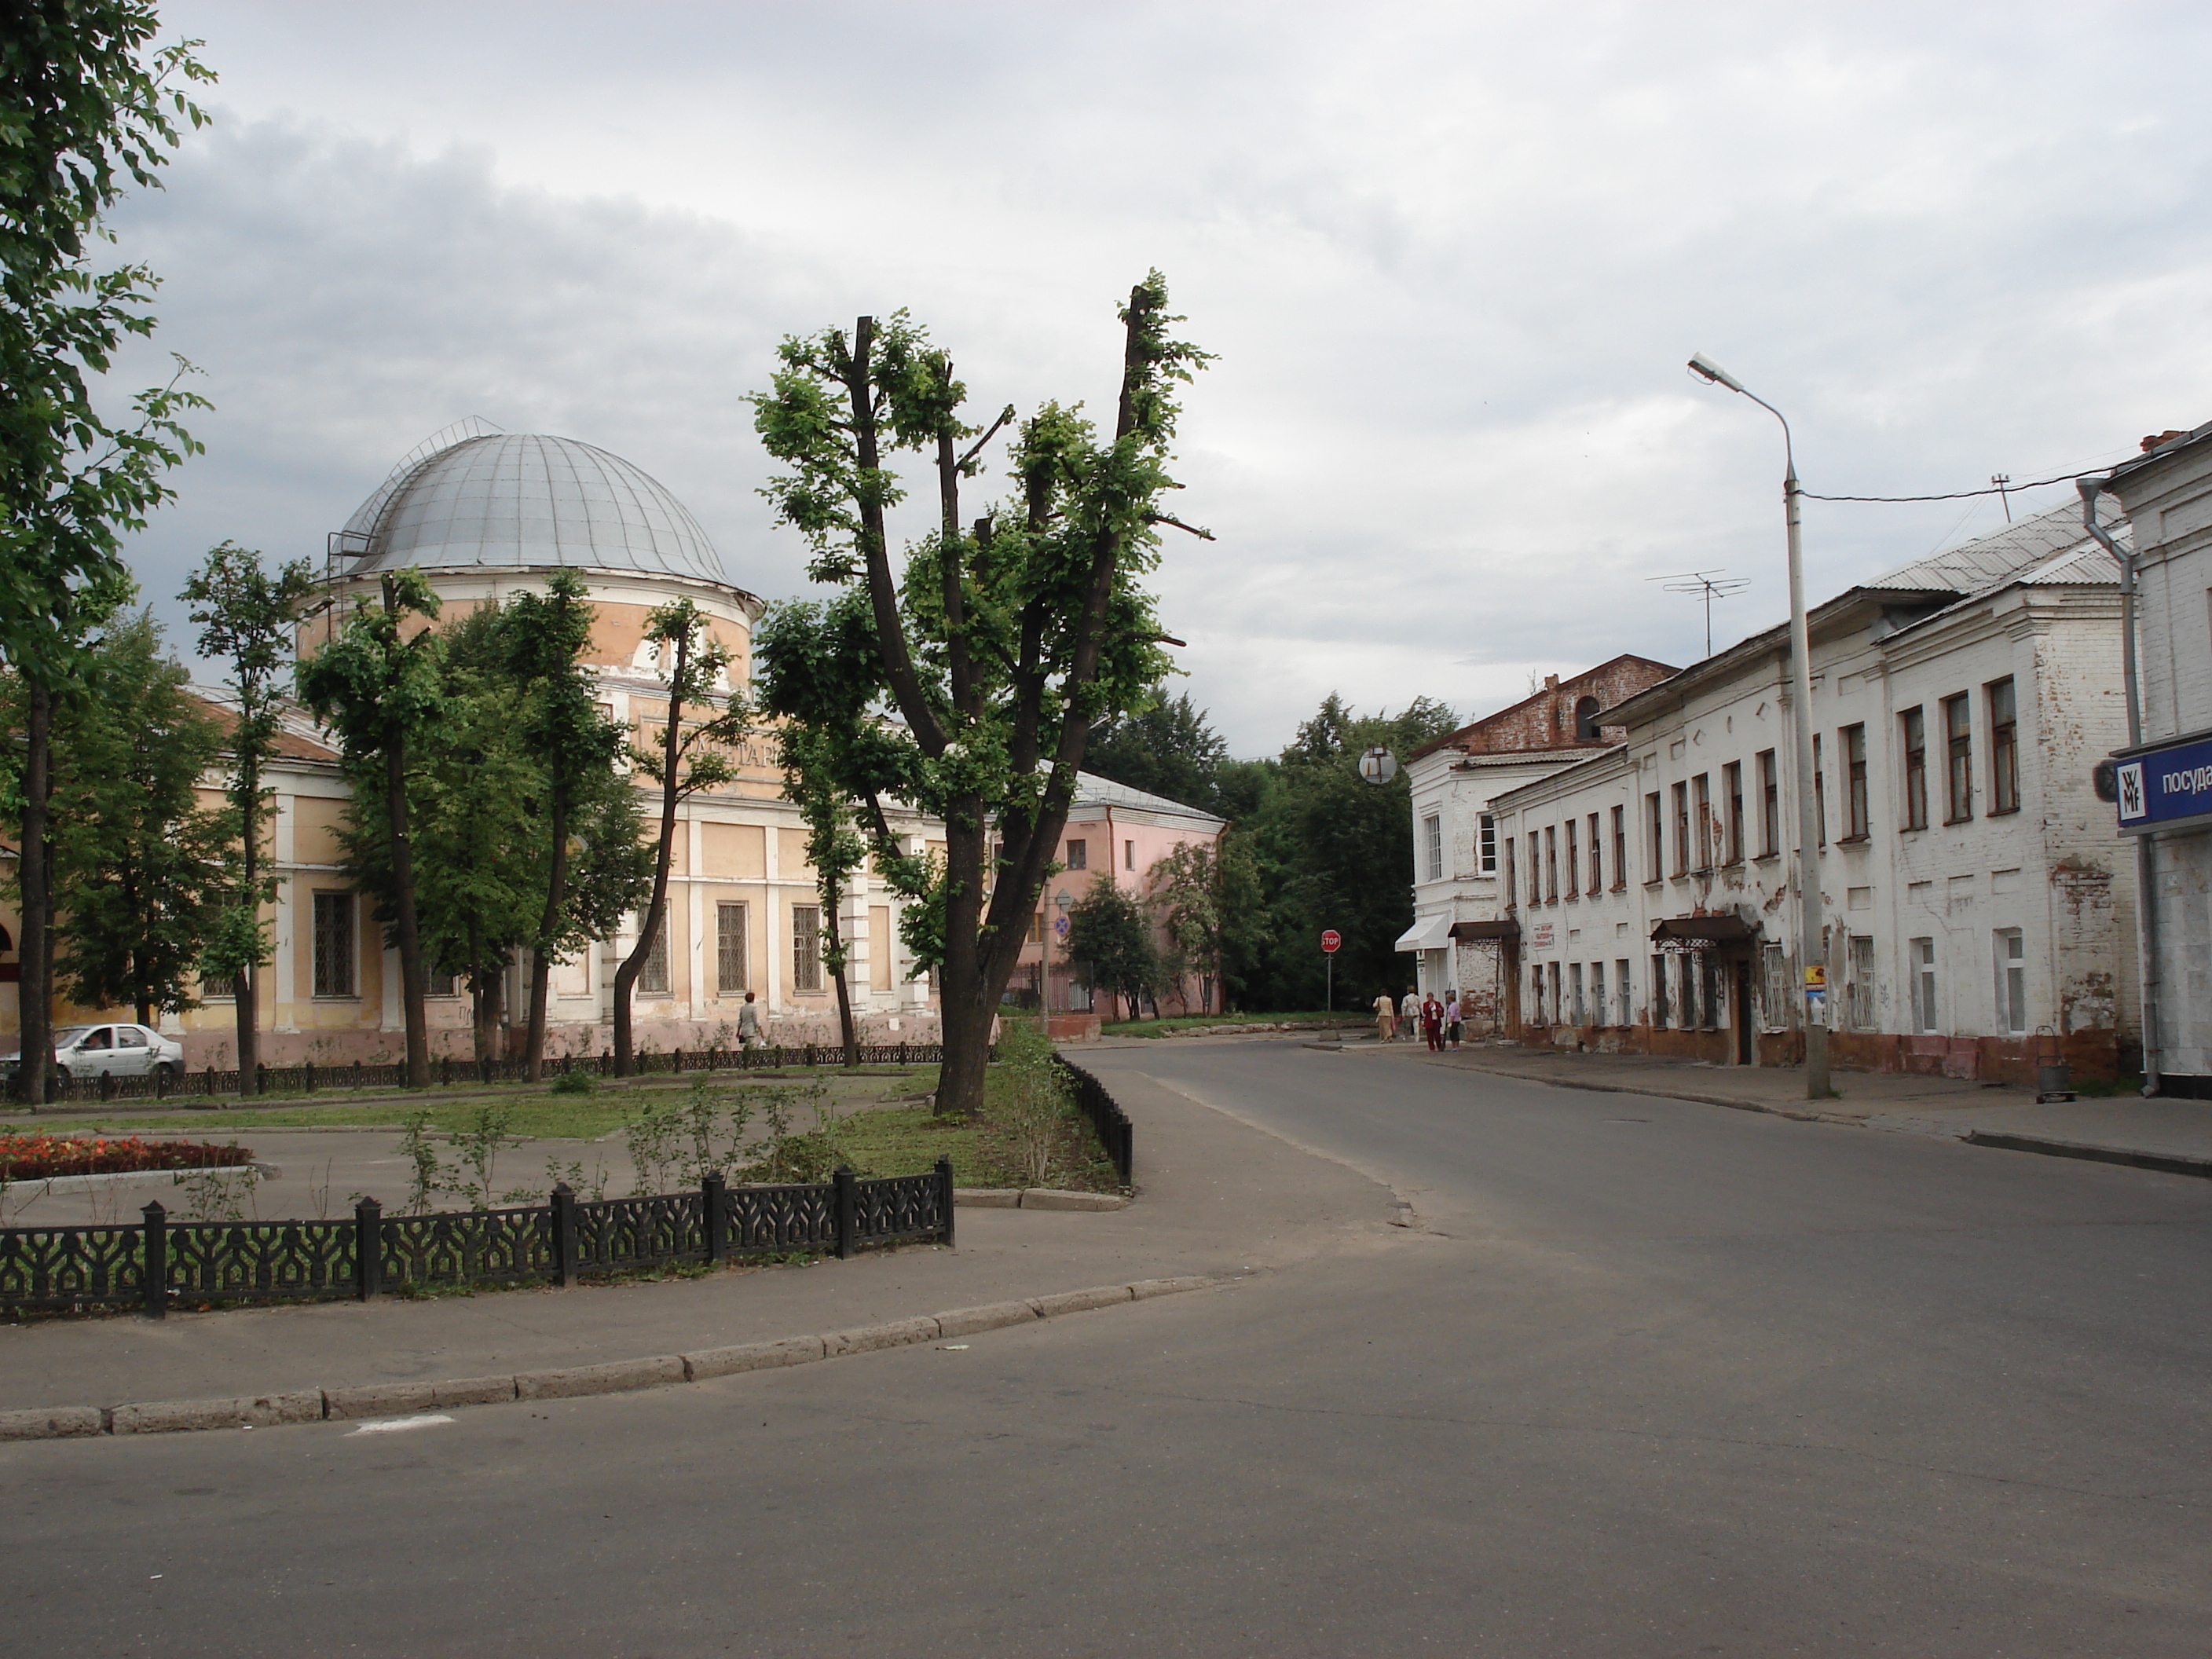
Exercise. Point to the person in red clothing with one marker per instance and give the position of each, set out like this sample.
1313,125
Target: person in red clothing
1432,1022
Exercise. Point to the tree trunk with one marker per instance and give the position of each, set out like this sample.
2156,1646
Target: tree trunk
245,989
35,1021
403,905
541,957
844,991
671,756
965,1026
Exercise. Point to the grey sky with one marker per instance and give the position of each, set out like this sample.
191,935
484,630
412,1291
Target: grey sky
1452,258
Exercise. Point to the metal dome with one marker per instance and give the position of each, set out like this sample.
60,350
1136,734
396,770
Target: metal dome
514,500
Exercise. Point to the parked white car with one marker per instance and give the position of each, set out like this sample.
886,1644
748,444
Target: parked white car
89,1051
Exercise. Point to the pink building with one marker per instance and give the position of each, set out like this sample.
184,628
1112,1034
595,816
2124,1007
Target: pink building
1121,833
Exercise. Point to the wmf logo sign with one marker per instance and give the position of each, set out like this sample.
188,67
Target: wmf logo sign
2133,807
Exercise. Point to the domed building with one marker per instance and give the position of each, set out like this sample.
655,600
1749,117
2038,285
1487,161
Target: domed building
486,515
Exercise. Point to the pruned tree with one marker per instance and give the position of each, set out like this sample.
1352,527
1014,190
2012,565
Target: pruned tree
246,615
1001,642
694,665
1184,892
818,780
88,105
376,683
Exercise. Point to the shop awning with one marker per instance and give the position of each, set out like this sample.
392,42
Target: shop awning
1704,930
1467,932
1427,934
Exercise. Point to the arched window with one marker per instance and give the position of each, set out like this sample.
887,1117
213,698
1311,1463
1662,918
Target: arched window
1586,719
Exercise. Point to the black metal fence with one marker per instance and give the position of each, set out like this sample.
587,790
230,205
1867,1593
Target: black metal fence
448,1071
156,1262
1115,1132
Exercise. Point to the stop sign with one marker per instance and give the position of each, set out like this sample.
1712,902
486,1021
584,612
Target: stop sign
1330,940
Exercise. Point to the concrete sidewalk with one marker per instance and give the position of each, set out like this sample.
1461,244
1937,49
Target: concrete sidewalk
2120,1129
1214,1197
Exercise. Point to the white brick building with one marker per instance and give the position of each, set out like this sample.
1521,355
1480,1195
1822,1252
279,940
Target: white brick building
2167,494
1974,886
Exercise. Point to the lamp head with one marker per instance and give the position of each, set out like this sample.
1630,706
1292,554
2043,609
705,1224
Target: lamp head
1706,369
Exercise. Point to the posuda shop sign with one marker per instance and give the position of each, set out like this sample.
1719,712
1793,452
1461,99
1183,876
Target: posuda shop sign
2166,788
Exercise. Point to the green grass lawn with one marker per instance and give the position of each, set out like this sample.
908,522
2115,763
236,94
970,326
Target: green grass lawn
1152,1028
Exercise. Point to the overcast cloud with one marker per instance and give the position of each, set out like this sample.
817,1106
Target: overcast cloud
1452,260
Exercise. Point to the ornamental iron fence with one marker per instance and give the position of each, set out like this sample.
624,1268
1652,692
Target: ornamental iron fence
1116,1132
447,1071
155,1262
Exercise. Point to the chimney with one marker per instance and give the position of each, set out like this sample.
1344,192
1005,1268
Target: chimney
1551,681
2165,437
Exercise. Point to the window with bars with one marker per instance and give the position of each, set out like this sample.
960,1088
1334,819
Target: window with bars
334,945
652,973
1775,1001
806,943
218,987
1858,989
2004,749
1913,730
730,948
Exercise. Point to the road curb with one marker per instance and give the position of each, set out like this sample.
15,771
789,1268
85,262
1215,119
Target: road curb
2165,1162
564,1383
1801,1114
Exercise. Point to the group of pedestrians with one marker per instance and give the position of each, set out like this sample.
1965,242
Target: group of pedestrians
1438,1022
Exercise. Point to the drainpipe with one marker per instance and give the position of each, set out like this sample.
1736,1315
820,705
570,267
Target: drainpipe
2146,843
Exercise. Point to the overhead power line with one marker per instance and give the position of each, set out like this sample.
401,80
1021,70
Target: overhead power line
2006,488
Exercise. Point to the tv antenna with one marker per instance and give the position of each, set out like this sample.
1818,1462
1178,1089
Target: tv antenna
1707,585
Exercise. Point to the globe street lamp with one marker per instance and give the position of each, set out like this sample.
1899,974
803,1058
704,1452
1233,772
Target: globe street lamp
1812,949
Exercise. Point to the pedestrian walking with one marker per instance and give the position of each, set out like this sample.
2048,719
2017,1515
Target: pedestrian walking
1432,1024
1409,1012
1451,1019
749,1025
1386,1017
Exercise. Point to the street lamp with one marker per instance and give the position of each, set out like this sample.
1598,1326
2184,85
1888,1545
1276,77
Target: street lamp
1812,951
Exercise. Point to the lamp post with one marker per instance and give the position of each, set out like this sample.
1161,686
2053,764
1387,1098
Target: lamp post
1812,951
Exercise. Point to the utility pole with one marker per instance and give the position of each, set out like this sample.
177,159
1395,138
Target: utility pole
1812,945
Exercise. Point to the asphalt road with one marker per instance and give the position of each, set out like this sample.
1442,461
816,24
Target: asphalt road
1643,1377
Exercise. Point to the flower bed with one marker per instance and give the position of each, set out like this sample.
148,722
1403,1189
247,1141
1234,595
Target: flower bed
45,1156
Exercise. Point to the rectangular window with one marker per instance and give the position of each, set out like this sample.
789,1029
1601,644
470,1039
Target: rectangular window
1681,829
334,949
1820,795
1512,877
1598,1008
1701,792
1551,864
1574,860
1770,806
1732,786
652,973
807,945
216,988
1432,848
1552,988
1619,851
1712,991
879,948
1536,870
1659,992
1036,928
1625,993
1536,992
1128,855
1653,855
1598,871
1686,970
2004,749
730,949
1920,957
1959,754
1858,994
1078,855
1575,992
1913,730
2012,981
1776,998
1486,845
440,985
1854,758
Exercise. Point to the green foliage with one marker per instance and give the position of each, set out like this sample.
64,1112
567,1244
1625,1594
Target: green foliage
965,684
1164,747
1034,1102
573,1081
140,870
1332,850
247,615
1110,941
